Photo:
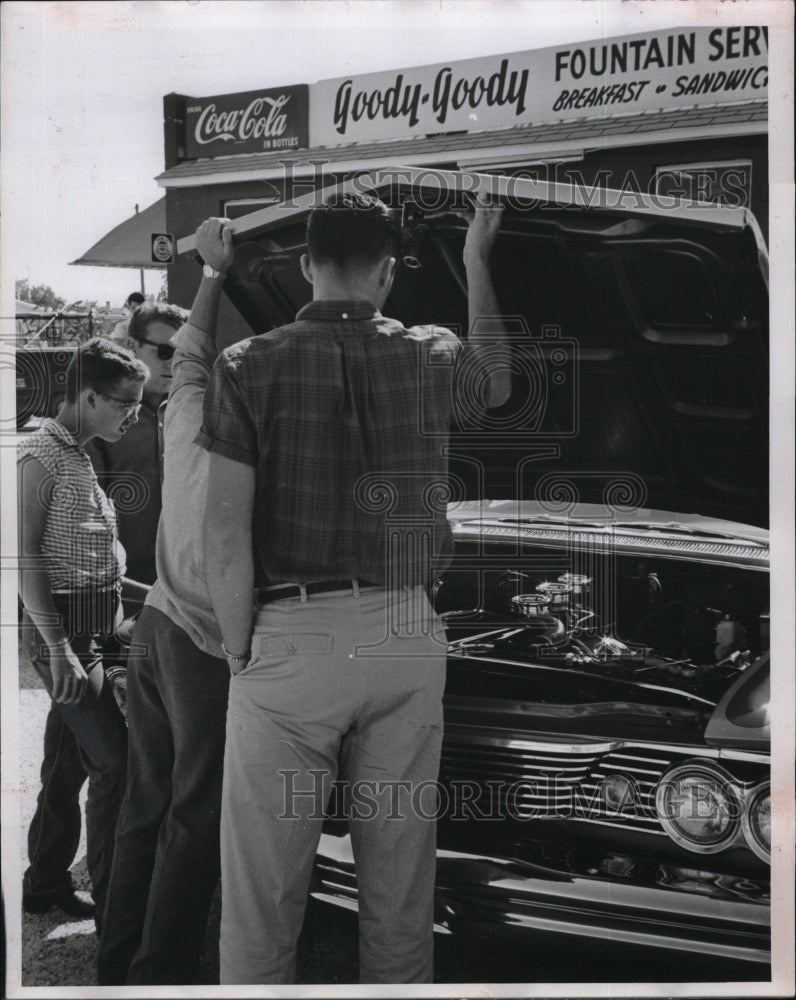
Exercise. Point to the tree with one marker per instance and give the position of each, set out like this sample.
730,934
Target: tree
39,295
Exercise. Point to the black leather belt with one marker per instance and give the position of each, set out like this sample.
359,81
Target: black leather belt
283,591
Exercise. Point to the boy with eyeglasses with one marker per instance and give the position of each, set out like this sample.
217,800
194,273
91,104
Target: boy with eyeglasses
70,570
131,470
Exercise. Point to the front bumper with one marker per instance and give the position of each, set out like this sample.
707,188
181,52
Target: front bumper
612,898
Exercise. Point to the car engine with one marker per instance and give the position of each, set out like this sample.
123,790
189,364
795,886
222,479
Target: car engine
684,626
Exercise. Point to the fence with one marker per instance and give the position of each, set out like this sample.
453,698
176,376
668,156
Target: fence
62,329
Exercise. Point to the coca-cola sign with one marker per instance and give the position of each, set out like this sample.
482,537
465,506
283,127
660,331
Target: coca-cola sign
253,122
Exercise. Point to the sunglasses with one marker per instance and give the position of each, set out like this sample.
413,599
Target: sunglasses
165,351
130,406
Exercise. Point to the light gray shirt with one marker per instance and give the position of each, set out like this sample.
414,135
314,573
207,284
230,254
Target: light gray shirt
180,591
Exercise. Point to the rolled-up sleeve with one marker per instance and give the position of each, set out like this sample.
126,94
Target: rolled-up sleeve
190,370
227,425
195,353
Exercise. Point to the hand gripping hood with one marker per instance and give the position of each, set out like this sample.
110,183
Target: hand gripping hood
639,333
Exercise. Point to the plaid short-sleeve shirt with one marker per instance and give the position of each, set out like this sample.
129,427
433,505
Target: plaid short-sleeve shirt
344,415
80,546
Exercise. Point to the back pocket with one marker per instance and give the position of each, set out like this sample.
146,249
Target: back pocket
285,644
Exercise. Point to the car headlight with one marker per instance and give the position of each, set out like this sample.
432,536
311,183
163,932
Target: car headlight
757,821
698,807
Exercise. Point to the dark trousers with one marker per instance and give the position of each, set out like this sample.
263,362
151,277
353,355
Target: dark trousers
166,864
82,741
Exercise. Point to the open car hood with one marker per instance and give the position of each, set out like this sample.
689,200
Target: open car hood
633,531
639,334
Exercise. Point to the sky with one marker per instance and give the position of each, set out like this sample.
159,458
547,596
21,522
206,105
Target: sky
83,83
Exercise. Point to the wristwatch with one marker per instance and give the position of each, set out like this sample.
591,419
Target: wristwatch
211,272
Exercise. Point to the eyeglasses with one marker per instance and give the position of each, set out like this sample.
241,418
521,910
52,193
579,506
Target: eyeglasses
165,351
130,406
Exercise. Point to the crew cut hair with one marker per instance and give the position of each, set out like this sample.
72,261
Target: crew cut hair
353,229
154,312
100,365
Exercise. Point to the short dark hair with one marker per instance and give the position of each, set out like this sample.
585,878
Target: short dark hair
135,299
100,365
154,312
353,229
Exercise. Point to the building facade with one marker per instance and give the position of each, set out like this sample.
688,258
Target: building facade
681,113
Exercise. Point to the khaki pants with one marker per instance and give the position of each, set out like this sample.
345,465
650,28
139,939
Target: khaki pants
339,687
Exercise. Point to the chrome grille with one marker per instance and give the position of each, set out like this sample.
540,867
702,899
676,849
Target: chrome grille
528,779
538,779
644,769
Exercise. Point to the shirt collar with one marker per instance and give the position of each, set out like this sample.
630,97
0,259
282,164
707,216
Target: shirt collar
51,426
337,310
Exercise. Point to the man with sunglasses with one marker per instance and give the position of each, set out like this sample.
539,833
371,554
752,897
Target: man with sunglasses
131,470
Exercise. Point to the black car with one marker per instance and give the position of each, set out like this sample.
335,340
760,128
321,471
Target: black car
605,768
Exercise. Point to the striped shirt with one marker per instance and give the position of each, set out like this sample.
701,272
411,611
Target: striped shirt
345,416
79,546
